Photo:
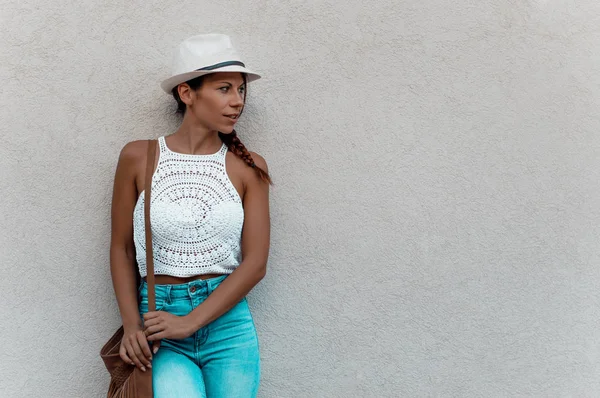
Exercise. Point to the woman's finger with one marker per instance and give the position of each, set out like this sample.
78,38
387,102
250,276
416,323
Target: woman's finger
124,356
145,355
151,314
154,329
155,346
151,322
156,336
132,354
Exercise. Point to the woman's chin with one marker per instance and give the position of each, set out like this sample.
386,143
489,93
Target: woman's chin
226,129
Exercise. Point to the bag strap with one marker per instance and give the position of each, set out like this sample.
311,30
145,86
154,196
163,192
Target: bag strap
149,252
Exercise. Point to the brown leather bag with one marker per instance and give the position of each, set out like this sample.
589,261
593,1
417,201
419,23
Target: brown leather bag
128,381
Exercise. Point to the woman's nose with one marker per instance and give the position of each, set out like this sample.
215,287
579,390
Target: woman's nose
238,100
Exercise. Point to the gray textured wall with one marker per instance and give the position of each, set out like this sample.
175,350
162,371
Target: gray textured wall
435,219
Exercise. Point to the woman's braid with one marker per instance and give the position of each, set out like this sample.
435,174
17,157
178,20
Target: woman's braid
239,149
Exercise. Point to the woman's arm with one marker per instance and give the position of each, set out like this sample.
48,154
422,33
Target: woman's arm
123,268
123,265
255,252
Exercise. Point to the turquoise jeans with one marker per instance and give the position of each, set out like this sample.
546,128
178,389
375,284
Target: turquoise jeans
220,360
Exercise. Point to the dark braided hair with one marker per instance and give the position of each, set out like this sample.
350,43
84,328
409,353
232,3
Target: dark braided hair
231,140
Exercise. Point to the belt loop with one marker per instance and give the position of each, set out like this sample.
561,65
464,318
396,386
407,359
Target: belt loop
168,294
213,283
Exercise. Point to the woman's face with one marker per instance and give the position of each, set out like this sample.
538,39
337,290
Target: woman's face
219,101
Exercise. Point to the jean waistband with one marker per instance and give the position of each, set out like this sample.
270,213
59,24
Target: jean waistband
195,287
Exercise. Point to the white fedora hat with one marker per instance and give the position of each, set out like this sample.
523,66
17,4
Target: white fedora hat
203,54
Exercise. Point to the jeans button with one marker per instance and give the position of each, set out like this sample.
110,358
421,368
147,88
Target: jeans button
193,289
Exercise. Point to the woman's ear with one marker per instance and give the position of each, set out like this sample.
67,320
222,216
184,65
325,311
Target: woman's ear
186,93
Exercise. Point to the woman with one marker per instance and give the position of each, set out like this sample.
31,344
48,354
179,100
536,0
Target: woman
211,229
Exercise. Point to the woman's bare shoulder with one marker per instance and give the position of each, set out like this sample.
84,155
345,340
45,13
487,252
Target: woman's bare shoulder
131,160
134,151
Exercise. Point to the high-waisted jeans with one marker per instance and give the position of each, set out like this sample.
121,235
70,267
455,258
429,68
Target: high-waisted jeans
220,360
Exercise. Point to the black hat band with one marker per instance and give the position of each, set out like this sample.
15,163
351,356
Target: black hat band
222,64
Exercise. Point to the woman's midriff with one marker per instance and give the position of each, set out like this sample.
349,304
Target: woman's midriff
173,280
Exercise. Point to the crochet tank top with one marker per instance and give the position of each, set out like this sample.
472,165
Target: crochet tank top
196,216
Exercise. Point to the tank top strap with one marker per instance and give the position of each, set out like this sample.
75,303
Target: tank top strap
162,146
223,153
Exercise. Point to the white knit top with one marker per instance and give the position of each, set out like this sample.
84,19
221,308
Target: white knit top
196,216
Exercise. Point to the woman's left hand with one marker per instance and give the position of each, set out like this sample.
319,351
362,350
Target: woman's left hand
164,325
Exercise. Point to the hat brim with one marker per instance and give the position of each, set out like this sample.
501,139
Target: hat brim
168,84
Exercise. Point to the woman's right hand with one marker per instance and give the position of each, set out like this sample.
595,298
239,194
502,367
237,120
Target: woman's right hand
135,349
